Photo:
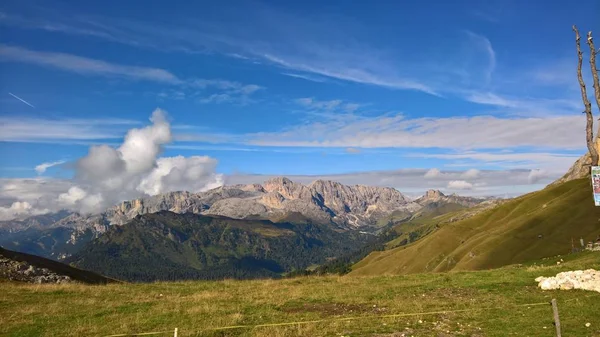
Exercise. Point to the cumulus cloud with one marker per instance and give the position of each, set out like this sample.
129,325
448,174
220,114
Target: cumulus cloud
19,209
41,168
181,173
108,175
459,185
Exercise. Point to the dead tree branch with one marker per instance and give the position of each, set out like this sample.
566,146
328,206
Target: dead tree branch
590,42
589,132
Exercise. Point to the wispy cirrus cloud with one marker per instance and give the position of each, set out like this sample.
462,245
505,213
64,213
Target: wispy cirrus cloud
23,129
209,90
307,77
484,44
397,131
86,66
298,44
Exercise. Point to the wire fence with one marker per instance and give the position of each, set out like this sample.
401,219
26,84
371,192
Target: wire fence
342,319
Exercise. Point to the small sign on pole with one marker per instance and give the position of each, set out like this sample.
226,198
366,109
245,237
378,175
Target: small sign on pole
596,184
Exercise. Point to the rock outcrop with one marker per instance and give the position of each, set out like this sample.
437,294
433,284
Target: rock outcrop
24,272
579,279
580,169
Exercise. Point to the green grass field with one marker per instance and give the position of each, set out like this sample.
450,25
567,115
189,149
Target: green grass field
504,235
500,302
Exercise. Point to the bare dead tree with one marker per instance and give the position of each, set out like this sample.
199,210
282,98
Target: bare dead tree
593,52
589,132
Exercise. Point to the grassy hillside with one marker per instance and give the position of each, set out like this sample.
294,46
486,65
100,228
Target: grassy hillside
504,235
499,303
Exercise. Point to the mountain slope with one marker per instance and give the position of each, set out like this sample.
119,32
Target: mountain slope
170,246
509,233
17,266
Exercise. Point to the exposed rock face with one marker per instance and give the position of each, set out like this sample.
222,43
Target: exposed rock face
238,208
433,195
580,169
24,272
321,201
578,279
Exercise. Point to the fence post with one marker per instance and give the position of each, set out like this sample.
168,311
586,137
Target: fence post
556,319
175,333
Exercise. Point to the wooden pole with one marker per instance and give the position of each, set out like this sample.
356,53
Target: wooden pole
556,319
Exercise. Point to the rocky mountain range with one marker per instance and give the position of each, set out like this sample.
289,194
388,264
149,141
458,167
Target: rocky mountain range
278,200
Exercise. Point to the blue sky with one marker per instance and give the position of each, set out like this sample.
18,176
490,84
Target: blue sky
296,88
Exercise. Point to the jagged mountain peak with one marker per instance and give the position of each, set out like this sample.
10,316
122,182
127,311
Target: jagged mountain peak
433,194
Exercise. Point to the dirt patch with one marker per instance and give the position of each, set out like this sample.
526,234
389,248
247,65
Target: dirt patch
333,309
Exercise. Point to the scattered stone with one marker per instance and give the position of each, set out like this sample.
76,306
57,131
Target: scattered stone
13,270
587,325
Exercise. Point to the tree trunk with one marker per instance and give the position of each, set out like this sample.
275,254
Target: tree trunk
589,132
593,53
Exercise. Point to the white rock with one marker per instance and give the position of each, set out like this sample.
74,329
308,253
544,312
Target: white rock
579,279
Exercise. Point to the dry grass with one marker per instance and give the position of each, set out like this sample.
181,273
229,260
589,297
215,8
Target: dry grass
197,307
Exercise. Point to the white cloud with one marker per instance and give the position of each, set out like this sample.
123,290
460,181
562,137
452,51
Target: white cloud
525,106
471,174
459,185
554,162
228,91
489,98
85,65
108,175
41,168
19,209
180,173
432,173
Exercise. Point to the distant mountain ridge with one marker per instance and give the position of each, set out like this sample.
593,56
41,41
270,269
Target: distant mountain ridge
170,246
278,200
